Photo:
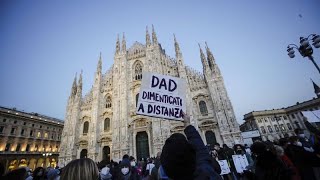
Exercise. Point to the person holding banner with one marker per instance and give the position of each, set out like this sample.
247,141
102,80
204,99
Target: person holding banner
186,158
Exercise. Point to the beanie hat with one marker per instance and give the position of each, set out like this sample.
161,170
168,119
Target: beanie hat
125,162
178,158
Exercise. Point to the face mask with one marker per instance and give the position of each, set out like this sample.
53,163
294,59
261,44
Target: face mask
29,173
301,135
125,170
133,163
39,173
299,143
239,151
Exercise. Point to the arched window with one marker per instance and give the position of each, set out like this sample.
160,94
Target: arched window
138,71
137,97
107,124
85,127
203,108
108,102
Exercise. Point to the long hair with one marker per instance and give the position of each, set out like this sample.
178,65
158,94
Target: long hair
84,169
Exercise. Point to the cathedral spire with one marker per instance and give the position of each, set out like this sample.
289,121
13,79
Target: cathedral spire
177,48
148,42
154,36
118,45
124,48
99,66
211,61
74,86
210,57
203,58
316,88
79,90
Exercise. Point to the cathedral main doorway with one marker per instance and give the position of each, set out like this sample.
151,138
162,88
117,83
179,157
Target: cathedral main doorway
83,153
106,153
142,144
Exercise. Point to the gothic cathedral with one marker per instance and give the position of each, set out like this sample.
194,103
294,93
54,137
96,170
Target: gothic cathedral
103,124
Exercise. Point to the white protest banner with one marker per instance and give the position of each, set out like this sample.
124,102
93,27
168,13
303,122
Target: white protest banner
224,167
240,162
162,96
312,116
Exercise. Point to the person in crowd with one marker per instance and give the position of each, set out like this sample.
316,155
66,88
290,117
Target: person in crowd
17,174
178,158
132,161
287,162
214,162
220,151
133,165
302,159
306,144
29,174
114,169
2,169
247,148
186,158
154,171
240,150
126,156
268,165
53,174
84,169
149,167
140,169
126,171
39,173
144,167
105,173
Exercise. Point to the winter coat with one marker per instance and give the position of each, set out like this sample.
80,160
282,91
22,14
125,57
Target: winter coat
204,169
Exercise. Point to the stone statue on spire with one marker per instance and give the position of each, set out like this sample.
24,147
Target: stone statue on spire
148,41
154,36
124,48
118,45
176,46
99,66
79,89
203,58
74,86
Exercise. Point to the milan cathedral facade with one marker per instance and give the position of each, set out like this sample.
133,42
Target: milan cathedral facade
103,124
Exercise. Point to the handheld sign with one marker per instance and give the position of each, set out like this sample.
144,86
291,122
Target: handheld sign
224,167
240,162
162,96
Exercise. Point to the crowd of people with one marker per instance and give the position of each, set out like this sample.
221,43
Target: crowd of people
185,157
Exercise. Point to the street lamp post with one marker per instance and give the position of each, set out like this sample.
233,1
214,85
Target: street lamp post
305,48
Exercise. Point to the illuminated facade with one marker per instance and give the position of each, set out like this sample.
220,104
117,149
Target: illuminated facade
28,139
